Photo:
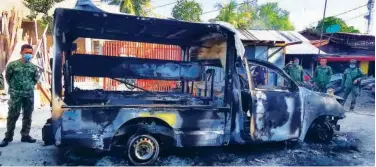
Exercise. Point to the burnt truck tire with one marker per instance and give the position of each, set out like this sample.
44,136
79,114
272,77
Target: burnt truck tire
321,132
142,149
47,133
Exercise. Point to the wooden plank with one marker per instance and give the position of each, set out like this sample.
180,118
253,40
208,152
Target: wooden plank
12,32
36,29
38,49
5,33
2,53
45,56
44,92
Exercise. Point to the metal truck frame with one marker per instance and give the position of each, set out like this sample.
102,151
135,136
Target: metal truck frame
143,122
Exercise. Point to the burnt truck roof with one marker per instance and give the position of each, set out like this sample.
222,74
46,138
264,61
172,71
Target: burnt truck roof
74,23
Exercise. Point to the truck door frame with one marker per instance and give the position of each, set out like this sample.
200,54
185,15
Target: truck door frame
268,121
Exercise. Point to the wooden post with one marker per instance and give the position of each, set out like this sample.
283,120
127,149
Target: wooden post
36,30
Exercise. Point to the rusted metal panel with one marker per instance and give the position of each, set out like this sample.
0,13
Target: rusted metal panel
139,50
146,51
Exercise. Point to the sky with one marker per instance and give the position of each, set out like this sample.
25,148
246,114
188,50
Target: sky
302,12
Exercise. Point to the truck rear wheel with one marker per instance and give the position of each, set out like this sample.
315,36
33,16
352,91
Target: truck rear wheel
142,149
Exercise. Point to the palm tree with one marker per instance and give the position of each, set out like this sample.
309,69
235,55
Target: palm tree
134,7
227,12
236,14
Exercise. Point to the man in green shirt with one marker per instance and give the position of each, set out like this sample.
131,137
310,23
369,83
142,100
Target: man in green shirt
321,76
21,76
295,71
351,82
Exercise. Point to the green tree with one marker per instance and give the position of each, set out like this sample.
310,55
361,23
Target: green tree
41,7
187,10
250,16
237,15
133,7
335,20
270,16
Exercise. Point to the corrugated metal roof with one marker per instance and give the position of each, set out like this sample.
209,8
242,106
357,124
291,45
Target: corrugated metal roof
356,34
287,36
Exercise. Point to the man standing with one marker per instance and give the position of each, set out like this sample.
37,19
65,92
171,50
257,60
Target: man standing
21,76
295,71
351,82
322,75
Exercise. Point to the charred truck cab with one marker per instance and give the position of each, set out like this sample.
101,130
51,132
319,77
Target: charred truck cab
236,111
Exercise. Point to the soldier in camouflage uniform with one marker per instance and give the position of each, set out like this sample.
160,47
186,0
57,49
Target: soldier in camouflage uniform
21,76
351,83
322,76
295,71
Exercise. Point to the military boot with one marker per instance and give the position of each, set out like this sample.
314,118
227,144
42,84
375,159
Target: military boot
5,142
27,139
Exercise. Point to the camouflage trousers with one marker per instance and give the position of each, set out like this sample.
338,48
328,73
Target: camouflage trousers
15,104
355,93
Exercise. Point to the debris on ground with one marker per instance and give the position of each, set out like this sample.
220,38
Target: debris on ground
299,151
345,142
105,161
315,152
257,160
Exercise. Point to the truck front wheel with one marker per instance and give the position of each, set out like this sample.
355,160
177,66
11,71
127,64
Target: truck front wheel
142,149
321,131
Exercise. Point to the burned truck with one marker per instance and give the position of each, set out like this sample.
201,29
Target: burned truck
144,122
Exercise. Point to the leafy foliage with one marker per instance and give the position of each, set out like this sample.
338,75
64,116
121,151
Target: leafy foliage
250,16
238,15
272,17
187,10
41,7
133,7
335,20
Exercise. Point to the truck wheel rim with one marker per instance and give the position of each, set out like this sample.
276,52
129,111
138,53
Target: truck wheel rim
144,148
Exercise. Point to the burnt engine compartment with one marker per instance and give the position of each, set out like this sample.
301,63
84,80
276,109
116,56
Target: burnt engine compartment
101,97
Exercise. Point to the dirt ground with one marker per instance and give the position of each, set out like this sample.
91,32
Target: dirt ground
354,145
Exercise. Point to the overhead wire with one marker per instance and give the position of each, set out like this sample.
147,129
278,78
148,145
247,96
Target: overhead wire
350,10
211,11
365,14
165,5
342,13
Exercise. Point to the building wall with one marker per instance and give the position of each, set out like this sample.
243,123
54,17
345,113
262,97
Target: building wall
261,52
277,59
